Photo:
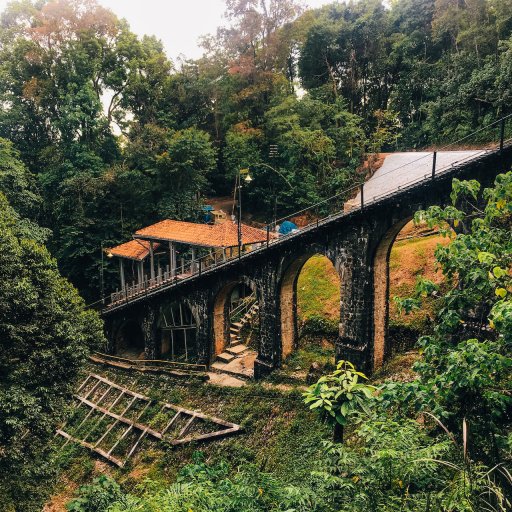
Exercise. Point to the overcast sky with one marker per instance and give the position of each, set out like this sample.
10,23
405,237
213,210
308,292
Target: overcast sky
178,23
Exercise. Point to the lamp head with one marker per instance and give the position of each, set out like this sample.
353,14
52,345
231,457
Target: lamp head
248,178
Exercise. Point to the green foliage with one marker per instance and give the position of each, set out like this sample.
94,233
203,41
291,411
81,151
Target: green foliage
318,325
201,487
466,365
45,334
96,497
340,395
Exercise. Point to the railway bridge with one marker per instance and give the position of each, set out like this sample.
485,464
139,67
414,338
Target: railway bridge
356,236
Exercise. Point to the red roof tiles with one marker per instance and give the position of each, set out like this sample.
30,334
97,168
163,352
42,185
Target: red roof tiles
133,250
218,235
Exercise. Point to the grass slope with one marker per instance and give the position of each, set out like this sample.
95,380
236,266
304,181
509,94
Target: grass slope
280,435
318,289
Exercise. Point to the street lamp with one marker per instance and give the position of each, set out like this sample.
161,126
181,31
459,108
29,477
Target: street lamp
102,284
247,178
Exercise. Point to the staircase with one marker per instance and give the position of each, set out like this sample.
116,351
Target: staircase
236,349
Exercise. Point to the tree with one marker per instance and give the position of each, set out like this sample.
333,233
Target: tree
340,396
465,369
45,334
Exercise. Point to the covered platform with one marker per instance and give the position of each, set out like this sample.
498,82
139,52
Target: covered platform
172,249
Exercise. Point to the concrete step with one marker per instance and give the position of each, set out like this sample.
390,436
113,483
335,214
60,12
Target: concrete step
218,366
235,342
237,350
237,324
225,357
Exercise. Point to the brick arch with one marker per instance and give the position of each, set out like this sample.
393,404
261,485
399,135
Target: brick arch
288,302
381,292
221,311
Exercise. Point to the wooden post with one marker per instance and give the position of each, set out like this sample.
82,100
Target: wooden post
152,261
172,258
224,254
121,272
193,266
434,160
141,272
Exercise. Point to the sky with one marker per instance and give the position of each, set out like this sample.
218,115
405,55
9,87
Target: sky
178,23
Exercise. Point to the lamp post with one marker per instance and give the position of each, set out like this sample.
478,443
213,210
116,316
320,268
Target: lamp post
102,283
275,171
247,179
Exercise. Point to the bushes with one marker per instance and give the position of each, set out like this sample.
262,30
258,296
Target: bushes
97,497
200,487
318,325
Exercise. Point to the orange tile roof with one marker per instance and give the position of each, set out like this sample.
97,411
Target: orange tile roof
218,235
133,250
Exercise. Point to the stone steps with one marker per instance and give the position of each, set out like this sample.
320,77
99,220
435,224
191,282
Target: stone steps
237,350
225,357
235,347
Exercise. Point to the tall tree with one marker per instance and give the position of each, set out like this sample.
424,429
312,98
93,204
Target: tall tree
45,334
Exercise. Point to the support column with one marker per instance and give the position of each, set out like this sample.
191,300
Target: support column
268,352
121,273
151,348
355,328
172,258
193,265
141,272
152,260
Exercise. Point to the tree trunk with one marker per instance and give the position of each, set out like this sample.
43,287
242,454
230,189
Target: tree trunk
338,433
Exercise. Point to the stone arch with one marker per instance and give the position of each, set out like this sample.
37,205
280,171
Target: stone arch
221,308
381,292
129,340
176,327
288,302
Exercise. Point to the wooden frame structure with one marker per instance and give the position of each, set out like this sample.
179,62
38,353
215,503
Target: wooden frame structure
116,435
183,324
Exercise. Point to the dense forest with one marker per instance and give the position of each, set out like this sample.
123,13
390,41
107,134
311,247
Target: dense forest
115,136
101,133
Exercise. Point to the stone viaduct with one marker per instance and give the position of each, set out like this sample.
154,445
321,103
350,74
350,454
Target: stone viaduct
357,242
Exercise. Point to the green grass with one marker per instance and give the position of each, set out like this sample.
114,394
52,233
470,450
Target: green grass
318,289
279,434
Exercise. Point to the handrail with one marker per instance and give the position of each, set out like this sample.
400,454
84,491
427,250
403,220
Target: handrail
204,264
244,306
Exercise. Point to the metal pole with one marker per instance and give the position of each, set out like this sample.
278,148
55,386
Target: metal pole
239,215
502,134
434,161
361,188
102,286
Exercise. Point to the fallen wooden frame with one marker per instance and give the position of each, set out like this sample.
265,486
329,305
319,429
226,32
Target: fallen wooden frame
173,368
87,399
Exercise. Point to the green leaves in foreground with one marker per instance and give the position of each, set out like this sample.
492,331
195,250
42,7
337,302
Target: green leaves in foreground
340,394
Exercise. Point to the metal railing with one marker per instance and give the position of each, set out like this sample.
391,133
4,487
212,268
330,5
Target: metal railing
245,305
322,212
